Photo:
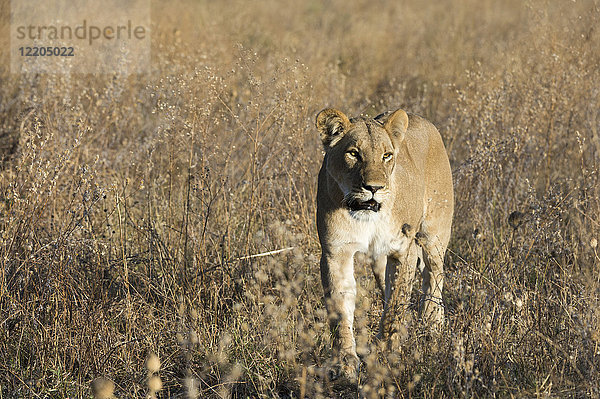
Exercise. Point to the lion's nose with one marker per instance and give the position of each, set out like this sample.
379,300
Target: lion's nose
372,188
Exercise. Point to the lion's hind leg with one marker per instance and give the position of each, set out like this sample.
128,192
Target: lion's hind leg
432,271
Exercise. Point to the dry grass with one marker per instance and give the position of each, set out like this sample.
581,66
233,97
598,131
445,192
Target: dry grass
130,204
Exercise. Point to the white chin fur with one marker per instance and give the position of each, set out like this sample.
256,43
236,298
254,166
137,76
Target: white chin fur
364,215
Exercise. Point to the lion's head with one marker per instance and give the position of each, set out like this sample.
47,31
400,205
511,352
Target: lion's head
361,155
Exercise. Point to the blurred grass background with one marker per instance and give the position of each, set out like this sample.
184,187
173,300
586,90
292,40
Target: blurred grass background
130,205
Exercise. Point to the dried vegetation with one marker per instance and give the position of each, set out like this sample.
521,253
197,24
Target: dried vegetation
131,206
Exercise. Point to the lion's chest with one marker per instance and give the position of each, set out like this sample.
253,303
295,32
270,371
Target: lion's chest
378,237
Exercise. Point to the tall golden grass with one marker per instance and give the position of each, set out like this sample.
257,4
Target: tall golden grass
131,206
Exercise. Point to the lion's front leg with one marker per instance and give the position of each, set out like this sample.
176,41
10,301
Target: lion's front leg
339,285
379,265
400,272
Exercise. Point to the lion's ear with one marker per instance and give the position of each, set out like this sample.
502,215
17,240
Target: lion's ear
332,124
396,124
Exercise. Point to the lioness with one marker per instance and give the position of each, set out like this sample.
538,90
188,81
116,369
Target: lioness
385,189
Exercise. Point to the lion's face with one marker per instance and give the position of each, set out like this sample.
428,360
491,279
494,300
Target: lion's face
361,156
361,163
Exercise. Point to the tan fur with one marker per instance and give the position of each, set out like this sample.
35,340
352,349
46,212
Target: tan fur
398,161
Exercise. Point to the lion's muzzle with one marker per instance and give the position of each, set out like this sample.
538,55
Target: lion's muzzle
370,205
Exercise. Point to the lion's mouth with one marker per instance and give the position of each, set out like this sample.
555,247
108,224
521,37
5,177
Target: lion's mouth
370,205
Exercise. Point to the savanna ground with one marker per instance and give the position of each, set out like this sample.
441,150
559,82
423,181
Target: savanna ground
131,205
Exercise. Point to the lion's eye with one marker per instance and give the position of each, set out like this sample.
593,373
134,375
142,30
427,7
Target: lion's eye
353,153
387,156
